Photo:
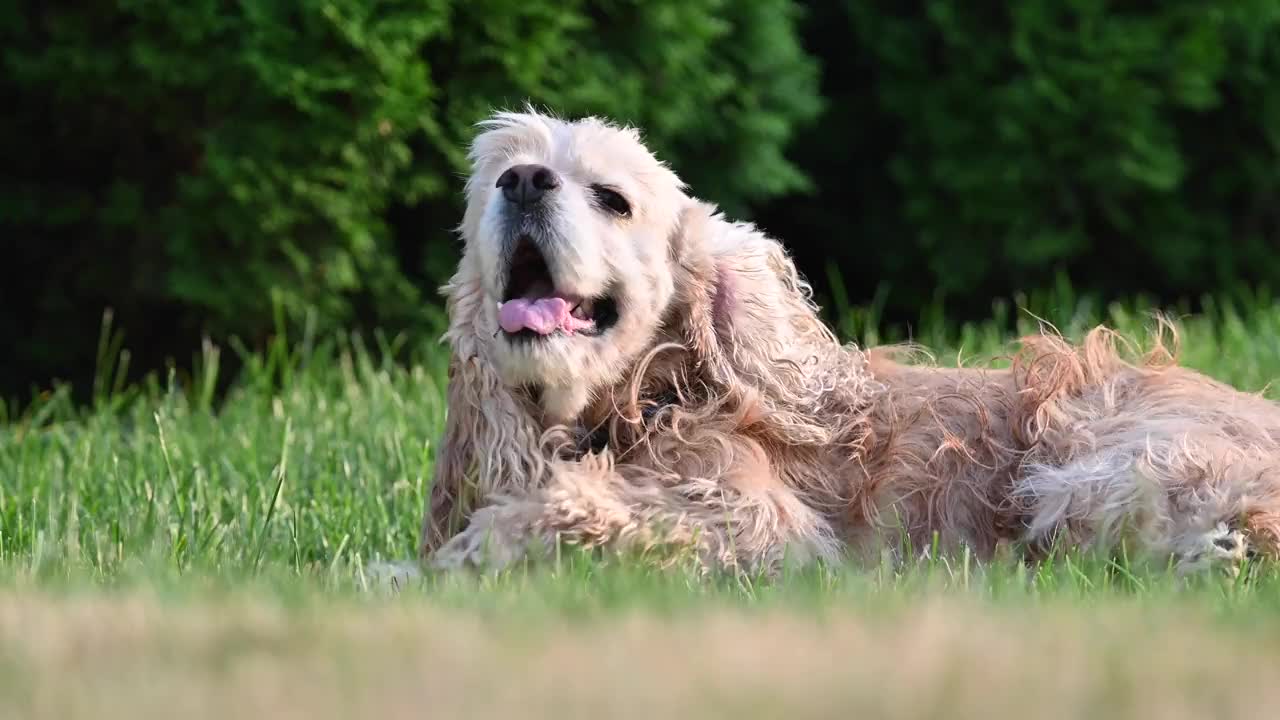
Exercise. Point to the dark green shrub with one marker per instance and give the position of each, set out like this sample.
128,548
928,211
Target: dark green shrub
194,164
974,149
197,165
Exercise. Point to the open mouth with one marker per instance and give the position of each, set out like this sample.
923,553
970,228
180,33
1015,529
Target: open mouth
532,307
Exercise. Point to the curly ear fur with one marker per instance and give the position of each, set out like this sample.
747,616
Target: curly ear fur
491,439
750,321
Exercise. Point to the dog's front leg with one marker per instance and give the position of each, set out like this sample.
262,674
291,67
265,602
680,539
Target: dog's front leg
497,535
590,503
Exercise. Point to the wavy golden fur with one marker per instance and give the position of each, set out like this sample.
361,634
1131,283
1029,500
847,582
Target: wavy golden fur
720,415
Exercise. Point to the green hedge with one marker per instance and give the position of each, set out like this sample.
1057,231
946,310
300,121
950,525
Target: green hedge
971,149
198,165
195,164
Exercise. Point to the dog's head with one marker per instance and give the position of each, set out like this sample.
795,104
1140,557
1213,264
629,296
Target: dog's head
568,231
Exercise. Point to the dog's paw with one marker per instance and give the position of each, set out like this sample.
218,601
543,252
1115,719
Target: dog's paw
1221,548
492,541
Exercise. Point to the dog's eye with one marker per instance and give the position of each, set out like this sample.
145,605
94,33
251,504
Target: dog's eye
612,200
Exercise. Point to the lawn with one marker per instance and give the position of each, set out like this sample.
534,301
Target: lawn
168,550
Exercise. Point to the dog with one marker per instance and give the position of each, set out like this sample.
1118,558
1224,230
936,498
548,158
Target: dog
631,370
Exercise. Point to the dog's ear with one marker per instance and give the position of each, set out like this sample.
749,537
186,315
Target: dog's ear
491,441
698,286
747,317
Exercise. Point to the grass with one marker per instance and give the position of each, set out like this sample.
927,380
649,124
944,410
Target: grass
169,551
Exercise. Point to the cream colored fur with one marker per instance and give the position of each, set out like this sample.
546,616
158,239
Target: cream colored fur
739,429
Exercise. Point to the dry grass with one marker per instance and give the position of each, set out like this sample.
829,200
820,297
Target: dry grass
134,655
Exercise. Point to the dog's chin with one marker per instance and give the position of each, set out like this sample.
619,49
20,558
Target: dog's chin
545,361
557,372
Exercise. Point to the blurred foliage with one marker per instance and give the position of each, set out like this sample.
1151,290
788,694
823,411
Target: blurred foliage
215,168
199,165
971,150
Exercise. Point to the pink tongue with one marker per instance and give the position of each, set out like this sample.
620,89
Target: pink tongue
543,316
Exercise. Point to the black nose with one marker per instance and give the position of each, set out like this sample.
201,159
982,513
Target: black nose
525,185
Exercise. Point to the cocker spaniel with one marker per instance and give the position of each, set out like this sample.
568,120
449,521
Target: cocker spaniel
632,370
